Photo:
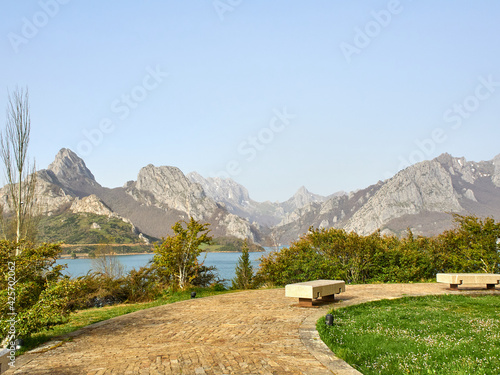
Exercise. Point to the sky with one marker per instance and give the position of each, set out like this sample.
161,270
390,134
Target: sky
330,95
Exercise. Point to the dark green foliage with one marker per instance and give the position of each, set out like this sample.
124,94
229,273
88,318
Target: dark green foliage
243,271
335,254
41,296
176,259
472,246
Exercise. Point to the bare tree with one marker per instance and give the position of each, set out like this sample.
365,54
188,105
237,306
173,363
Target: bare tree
20,174
106,264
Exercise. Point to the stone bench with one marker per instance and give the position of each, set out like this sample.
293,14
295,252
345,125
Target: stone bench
456,279
4,360
310,291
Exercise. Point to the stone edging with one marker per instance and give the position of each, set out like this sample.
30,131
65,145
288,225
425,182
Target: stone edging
311,340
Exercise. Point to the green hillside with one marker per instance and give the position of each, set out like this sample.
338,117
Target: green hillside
232,244
87,228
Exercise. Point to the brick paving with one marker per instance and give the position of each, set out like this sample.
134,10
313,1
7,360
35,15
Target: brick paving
251,332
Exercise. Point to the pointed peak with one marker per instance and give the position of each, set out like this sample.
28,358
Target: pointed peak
302,190
69,166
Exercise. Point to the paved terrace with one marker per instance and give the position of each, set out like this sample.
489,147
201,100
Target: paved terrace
251,332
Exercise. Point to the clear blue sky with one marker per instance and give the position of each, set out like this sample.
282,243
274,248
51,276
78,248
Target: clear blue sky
333,95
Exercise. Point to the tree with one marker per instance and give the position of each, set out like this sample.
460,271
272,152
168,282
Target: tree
244,270
177,257
14,142
106,264
472,246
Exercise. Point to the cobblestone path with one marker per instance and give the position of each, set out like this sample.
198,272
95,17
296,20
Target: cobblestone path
252,332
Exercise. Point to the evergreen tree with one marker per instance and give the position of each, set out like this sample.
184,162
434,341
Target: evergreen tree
244,270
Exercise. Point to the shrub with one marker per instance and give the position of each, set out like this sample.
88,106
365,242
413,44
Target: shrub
33,291
335,254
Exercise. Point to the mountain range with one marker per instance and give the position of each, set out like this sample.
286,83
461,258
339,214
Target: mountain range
421,197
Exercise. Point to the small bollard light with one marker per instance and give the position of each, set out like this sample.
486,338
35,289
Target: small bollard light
19,343
329,320
193,294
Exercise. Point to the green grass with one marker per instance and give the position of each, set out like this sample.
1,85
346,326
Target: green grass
86,317
450,334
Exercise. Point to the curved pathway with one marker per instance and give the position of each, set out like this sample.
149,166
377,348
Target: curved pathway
251,332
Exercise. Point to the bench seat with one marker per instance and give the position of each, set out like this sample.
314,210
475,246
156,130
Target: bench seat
456,279
309,291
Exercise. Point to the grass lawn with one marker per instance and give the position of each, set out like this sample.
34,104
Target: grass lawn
451,334
86,317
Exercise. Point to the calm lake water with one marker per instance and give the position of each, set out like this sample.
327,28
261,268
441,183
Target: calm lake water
225,263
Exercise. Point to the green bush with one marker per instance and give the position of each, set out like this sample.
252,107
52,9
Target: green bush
33,293
335,254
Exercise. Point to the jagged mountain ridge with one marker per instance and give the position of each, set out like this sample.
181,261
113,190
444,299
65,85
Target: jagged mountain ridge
420,197
236,199
160,197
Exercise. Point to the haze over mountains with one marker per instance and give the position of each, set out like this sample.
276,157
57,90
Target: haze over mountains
420,197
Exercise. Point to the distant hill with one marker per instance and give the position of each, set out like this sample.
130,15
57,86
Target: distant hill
87,228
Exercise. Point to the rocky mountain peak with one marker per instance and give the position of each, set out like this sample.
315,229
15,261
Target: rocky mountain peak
223,190
300,199
67,166
167,186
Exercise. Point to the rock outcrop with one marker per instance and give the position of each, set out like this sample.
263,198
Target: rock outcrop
72,173
91,204
168,189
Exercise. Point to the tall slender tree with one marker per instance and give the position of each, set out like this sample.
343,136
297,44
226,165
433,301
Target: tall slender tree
20,173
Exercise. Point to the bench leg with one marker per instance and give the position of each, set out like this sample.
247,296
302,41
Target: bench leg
330,298
490,286
305,302
454,286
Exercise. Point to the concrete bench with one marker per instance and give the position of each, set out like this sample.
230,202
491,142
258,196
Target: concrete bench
456,279
4,360
309,291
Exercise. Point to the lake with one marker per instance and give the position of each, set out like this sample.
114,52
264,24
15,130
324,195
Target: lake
225,263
